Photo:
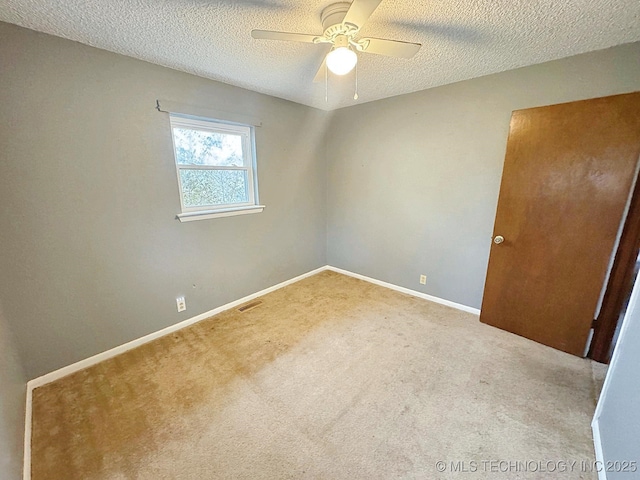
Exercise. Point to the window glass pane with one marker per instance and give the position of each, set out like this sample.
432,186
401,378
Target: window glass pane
199,147
213,187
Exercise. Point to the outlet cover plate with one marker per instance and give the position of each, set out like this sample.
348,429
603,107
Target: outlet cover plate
181,303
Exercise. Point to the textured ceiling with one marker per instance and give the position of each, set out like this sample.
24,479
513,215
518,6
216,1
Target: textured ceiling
461,39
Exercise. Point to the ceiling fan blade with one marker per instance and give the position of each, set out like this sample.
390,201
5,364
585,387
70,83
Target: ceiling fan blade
322,72
286,36
447,31
360,11
261,4
390,48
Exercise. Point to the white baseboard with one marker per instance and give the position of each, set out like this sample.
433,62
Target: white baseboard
597,443
88,362
408,291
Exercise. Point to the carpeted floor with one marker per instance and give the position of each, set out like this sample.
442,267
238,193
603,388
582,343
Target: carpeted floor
329,378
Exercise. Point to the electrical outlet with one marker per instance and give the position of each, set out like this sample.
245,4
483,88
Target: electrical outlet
423,279
181,303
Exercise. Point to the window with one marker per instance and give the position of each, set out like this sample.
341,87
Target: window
215,162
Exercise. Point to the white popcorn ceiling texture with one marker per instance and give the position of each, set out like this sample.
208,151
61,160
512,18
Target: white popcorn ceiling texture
460,39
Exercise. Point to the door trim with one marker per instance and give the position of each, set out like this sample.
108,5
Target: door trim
619,283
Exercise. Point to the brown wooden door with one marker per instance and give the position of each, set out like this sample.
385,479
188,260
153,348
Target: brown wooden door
567,176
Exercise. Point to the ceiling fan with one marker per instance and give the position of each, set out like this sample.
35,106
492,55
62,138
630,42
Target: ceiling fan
342,23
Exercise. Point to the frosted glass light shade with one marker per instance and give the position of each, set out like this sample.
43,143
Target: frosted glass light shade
341,60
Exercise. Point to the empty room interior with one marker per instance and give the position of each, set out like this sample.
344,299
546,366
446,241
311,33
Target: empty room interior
313,239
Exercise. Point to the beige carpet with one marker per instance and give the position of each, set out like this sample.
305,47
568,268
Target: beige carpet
330,378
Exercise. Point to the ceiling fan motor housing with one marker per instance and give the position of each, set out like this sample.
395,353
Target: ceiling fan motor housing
332,17
341,23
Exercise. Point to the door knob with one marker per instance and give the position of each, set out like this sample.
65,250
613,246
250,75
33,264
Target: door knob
498,239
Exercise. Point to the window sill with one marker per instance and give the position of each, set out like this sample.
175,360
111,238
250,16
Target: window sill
223,212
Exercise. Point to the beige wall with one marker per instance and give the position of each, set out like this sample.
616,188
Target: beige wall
91,253
12,403
413,180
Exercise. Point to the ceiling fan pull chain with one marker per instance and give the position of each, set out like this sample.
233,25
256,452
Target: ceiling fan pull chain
355,96
326,83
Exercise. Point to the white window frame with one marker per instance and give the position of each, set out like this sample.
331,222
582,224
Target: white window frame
247,133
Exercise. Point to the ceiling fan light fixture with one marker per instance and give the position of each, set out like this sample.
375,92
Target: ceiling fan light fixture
341,60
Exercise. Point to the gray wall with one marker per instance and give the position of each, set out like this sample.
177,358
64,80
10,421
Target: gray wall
92,255
12,403
618,415
413,180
